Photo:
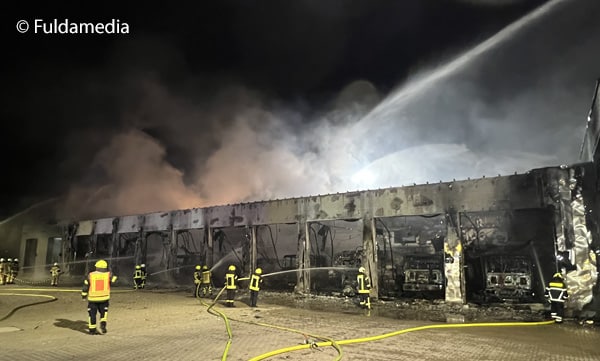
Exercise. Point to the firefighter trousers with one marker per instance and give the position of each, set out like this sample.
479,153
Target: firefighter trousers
97,307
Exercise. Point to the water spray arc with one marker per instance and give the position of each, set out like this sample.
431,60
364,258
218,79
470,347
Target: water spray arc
388,116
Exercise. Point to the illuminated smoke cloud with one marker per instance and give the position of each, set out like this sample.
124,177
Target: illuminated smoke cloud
488,113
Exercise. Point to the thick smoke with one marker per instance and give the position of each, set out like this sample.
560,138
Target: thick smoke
137,179
515,104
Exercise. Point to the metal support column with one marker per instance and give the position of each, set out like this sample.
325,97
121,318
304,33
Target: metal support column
370,254
253,254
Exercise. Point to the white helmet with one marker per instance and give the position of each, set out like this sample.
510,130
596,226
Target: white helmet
1,259
143,265
16,260
56,263
361,270
9,260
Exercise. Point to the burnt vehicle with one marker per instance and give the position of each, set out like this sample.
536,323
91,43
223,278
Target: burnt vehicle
508,278
346,278
286,278
423,275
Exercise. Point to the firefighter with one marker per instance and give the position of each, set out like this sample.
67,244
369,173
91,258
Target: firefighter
144,274
14,270
255,282
197,280
364,288
54,273
137,277
96,288
8,271
231,285
206,282
556,293
3,266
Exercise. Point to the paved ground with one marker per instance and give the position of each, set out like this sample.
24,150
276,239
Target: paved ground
172,325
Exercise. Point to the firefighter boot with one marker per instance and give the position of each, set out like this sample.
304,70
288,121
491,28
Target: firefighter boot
103,327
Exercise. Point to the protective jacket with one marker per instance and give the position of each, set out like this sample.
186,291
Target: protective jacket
556,291
255,282
54,271
97,286
197,277
206,277
230,281
364,283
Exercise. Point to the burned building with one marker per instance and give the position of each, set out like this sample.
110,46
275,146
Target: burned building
477,240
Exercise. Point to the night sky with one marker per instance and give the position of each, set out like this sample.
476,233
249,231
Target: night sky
218,102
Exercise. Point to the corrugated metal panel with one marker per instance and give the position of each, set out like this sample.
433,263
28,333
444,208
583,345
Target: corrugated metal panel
85,228
104,226
157,221
198,219
129,224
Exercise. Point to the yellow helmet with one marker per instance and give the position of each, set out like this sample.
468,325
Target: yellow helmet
198,267
361,270
101,264
258,271
138,267
558,275
205,267
232,268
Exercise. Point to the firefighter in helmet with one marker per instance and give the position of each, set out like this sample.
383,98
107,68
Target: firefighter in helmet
231,285
137,277
14,270
96,288
144,274
55,272
3,269
197,280
8,271
364,288
206,288
556,293
255,282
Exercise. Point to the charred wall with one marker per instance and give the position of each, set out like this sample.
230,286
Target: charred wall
449,237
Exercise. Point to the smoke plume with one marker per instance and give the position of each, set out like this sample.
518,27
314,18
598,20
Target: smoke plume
517,103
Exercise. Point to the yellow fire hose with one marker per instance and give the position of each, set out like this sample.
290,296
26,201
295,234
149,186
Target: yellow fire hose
399,332
337,344
329,341
224,317
50,299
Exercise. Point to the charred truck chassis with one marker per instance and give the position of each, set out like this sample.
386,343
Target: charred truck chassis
548,216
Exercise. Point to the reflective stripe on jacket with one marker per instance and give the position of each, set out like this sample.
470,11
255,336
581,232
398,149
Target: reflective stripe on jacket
99,286
206,277
230,281
255,281
556,291
54,270
363,283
